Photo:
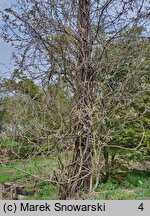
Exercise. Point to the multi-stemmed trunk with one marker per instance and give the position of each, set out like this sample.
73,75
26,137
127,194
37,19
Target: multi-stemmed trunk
80,173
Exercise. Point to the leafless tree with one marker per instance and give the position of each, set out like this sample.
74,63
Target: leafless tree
85,44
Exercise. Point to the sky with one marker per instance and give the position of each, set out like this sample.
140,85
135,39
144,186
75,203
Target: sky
6,62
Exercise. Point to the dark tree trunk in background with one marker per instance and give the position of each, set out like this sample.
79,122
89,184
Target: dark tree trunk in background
106,158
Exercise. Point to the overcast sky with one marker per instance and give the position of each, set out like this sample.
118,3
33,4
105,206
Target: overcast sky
6,63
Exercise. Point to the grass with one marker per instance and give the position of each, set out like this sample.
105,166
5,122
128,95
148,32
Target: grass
19,173
130,189
135,187
45,191
16,171
6,142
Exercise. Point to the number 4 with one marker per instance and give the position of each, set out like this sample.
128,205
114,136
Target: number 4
141,207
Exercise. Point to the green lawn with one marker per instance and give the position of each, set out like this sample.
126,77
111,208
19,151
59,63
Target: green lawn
21,171
134,186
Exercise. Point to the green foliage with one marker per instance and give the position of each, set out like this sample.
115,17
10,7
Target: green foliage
25,86
134,181
136,130
108,186
2,113
46,191
25,151
33,113
135,187
45,148
8,143
15,150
